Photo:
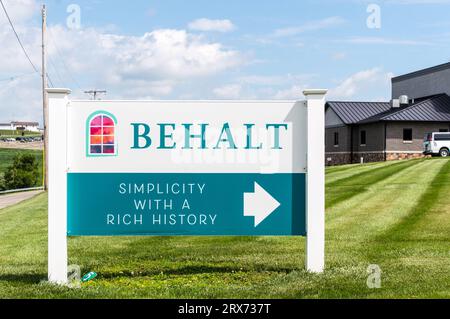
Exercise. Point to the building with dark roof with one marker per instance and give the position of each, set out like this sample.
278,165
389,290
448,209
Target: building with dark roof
423,83
20,126
379,131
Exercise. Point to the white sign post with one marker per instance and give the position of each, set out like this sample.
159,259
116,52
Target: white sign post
97,146
315,199
57,185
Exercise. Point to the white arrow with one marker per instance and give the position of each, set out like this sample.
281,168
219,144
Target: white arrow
259,204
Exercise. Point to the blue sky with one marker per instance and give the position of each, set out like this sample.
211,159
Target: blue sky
240,50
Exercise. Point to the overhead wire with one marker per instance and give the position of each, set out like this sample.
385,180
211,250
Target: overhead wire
18,38
63,60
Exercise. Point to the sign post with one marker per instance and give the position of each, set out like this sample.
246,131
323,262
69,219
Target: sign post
315,201
57,181
185,168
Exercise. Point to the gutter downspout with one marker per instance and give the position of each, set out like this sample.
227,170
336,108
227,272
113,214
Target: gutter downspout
385,141
351,143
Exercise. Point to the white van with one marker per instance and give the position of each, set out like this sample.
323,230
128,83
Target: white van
437,144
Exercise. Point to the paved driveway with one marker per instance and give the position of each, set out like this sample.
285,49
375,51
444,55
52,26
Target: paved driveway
12,199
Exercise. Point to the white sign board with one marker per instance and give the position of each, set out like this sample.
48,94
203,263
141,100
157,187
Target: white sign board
185,168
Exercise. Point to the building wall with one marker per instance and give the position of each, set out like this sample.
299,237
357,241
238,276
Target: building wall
373,150
332,119
27,128
337,155
5,126
422,85
394,141
399,149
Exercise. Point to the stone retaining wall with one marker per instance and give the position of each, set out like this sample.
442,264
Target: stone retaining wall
346,158
403,156
337,159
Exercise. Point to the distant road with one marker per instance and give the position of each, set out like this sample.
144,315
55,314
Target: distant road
12,199
23,146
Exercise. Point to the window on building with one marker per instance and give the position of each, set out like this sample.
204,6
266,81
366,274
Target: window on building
363,138
407,135
336,139
101,136
443,130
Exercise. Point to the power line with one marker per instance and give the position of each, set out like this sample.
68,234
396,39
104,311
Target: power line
18,38
12,78
49,79
56,71
94,93
58,52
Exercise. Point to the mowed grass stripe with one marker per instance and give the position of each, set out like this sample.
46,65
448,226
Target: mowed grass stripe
369,213
342,168
348,187
353,170
436,201
413,250
384,170
335,178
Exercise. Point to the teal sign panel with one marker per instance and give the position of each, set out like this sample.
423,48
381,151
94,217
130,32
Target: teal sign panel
141,204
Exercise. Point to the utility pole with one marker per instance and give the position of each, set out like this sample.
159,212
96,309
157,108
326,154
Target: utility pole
44,95
94,93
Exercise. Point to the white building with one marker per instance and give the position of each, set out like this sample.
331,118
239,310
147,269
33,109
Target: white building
5,126
20,126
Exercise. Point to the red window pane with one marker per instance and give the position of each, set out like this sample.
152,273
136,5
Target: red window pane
108,131
97,121
108,149
108,140
96,131
107,121
96,140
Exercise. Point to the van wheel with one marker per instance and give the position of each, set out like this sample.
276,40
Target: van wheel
444,152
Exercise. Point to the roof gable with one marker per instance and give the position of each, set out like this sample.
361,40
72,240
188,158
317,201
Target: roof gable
332,119
354,112
426,71
435,109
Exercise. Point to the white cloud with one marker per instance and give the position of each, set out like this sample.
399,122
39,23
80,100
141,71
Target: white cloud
339,56
361,84
381,41
211,25
295,92
231,91
153,65
157,55
309,26
275,80
19,10
408,2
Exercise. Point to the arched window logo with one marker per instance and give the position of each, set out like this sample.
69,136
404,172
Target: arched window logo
101,135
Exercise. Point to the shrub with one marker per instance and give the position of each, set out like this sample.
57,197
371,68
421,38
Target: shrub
23,173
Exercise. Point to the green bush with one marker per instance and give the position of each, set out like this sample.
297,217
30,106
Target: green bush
23,173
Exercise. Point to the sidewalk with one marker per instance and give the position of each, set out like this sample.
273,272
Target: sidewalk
12,199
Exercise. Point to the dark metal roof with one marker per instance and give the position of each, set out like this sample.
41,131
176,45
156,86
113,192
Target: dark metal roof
435,109
433,69
354,112
26,123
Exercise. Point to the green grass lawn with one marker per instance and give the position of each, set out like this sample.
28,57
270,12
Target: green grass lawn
7,157
13,134
395,214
